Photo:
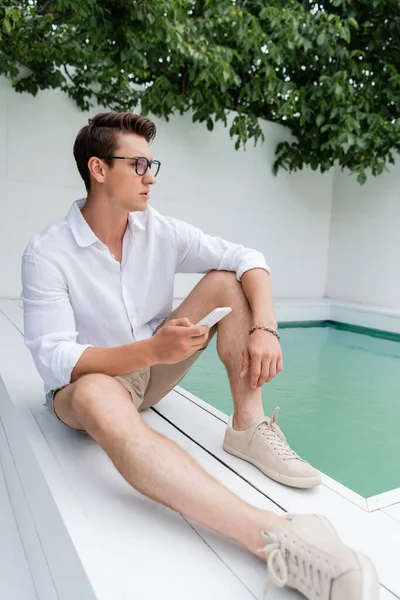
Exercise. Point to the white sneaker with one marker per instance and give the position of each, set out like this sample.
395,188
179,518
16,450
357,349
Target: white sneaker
264,445
307,554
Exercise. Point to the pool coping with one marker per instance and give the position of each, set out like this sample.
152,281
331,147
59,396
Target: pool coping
369,504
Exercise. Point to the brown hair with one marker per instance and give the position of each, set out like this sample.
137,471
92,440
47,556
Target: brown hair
100,137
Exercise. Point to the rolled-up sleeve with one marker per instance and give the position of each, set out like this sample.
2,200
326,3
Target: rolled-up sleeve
198,252
49,323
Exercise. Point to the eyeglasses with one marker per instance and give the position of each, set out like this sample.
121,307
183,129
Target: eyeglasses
142,164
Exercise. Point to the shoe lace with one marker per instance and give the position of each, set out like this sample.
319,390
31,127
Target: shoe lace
268,428
290,564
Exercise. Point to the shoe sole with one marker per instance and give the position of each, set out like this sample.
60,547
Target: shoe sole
297,482
370,580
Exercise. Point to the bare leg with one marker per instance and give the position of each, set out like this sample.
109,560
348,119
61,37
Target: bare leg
221,288
155,465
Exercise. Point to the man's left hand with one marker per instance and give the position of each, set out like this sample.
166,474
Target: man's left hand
262,358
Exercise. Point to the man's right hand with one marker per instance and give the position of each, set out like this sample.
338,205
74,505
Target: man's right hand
176,340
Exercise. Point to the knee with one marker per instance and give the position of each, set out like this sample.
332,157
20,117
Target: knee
98,394
225,281
88,387
104,408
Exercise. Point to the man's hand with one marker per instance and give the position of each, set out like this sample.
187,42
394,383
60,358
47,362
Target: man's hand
262,358
176,340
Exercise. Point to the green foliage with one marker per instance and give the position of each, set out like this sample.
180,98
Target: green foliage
328,72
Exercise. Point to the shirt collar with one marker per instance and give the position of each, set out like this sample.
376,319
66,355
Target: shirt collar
81,230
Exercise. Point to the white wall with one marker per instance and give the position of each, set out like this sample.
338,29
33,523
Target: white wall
203,180
364,256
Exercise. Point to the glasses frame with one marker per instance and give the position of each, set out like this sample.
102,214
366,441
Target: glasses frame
136,158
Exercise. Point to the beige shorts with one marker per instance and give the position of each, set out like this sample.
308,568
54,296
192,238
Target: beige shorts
149,385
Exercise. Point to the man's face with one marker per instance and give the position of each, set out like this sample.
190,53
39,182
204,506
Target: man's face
122,184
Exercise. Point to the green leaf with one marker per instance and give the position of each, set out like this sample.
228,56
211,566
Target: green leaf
321,39
319,120
345,34
360,142
361,178
7,26
351,21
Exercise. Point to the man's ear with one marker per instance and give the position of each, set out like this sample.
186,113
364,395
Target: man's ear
96,169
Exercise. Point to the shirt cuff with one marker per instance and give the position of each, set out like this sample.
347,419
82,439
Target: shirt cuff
64,359
254,264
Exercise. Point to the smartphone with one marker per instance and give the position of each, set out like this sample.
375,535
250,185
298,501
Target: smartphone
215,315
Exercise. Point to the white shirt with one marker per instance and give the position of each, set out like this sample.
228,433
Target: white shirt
76,295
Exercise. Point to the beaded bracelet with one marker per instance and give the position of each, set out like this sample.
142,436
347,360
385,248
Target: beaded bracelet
273,331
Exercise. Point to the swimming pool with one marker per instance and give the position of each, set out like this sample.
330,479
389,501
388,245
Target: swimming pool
339,394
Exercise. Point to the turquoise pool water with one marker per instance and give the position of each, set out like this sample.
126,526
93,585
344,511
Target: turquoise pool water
339,394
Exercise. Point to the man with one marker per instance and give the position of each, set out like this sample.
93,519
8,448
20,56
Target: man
97,294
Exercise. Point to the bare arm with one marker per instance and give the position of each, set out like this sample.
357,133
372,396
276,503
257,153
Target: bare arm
257,288
114,361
